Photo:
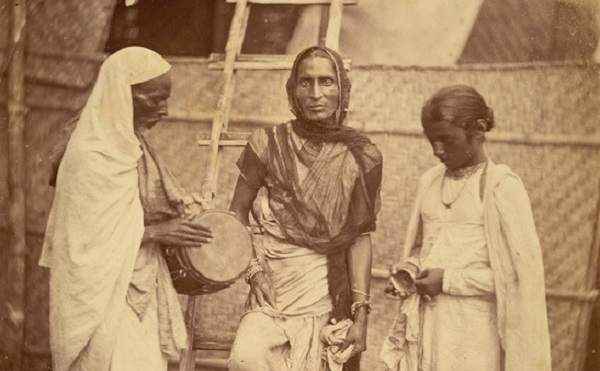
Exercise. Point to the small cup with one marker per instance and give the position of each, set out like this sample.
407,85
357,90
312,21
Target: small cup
404,281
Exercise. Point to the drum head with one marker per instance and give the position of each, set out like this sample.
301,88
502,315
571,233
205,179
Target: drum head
227,256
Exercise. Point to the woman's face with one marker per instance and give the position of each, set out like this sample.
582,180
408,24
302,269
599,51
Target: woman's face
150,101
452,144
317,88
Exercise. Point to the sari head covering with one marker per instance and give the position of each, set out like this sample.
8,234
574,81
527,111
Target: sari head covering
342,79
96,222
333,129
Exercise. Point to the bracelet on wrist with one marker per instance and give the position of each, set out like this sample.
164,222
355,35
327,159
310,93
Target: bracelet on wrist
362,293
253,268
360,304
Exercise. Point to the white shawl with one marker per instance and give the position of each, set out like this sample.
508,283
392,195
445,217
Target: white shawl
516,260
96,223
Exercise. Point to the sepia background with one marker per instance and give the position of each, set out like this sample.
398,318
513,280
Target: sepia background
535,62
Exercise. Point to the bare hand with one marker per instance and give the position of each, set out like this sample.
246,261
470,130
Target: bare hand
356,336
261,292
430,281
178,232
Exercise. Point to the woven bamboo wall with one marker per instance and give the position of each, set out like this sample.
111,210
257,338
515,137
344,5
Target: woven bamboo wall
563,180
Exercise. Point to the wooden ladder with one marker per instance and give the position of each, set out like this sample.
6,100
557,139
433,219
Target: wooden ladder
331,17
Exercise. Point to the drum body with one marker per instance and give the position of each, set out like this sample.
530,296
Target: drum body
215,265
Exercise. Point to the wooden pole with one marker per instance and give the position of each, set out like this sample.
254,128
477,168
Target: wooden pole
15,300
323,23
188,359
221,120
334,25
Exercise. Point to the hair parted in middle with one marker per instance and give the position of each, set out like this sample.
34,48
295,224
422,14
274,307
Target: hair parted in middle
459,105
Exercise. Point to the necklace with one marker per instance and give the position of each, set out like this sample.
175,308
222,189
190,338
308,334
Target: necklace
462,173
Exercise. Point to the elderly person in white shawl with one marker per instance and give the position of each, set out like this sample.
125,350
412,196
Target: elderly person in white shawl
471,274
112,301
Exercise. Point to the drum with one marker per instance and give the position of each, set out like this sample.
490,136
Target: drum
216,264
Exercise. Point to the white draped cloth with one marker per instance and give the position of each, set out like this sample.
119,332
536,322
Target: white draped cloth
96,223
498,283
286,338
459,330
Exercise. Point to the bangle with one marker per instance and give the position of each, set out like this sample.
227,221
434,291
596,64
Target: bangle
254,268
360,304
361,292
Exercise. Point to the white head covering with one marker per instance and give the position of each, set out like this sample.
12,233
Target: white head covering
106,122
96,223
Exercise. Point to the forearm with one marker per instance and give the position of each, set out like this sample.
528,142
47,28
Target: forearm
359,266
241,213
414,258
243,196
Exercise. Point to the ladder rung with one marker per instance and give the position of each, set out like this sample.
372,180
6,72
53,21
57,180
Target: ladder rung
267,58
248,120
226,135
225,139
259,62
213,340
212,345
224,142
302,2
253,62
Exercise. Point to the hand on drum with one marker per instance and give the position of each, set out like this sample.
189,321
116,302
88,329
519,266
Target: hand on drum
261,292
178,232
